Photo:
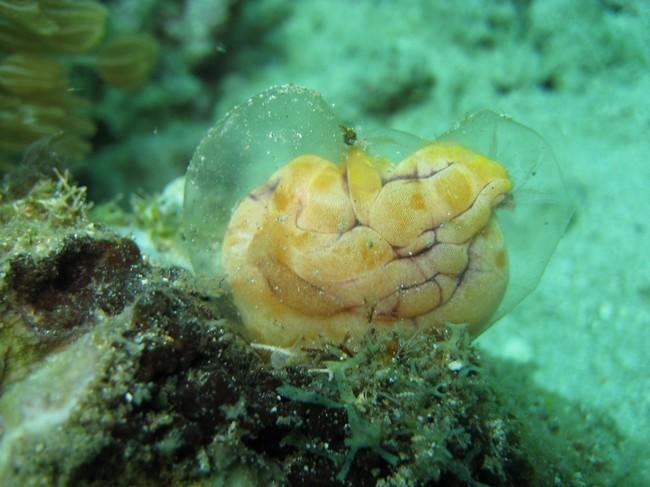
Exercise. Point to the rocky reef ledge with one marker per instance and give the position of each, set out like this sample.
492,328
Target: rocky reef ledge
117,371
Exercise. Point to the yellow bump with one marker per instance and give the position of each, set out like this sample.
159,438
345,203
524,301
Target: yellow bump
324,205
416,202
364,182
500,259
281,198
453,190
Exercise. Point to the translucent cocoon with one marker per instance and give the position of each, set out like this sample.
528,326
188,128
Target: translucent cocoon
241,151
535,219
263,134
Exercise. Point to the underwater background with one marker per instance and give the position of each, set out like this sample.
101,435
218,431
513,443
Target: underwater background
123,103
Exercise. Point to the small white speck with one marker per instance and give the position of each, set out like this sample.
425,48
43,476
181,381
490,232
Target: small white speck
455,365
606,311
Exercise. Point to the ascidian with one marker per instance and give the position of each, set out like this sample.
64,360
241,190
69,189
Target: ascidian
319,235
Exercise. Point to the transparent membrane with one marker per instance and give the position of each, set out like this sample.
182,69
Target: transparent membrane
540,208
239,154
264,133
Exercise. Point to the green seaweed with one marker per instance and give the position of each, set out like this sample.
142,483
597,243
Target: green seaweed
363,433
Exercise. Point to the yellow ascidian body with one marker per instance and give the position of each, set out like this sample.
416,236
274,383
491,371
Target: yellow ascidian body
322,250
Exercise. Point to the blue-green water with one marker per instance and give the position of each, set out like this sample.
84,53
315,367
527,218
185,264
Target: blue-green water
577,72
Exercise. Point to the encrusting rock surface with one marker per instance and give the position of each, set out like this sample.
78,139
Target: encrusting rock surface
116,371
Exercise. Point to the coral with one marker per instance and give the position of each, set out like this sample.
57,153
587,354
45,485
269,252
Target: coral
36,101
165,119
52,25
41,39
126,60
